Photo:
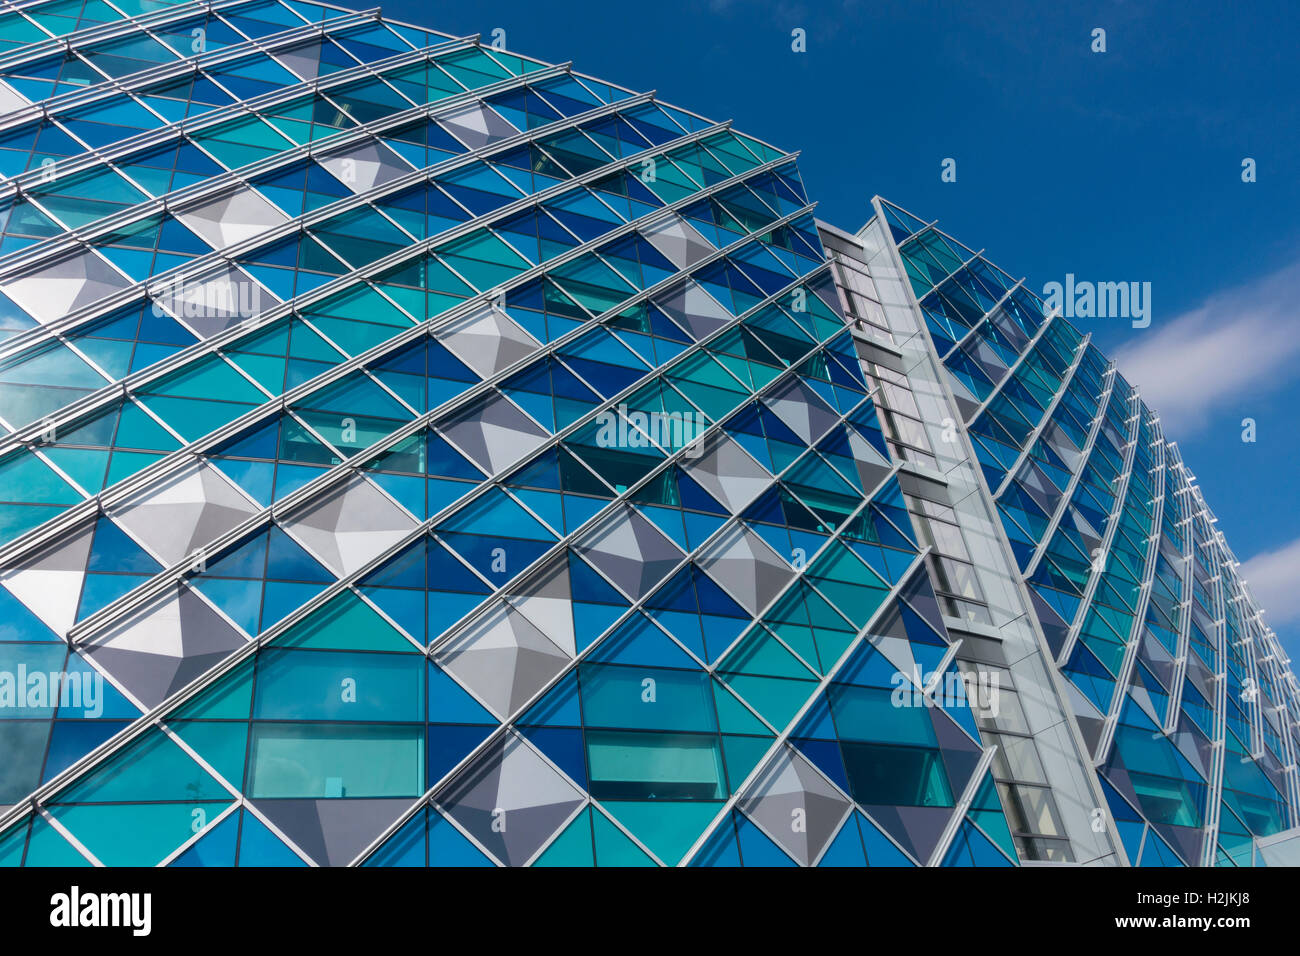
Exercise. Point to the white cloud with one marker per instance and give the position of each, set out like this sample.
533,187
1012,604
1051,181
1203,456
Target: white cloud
1273,578
1241,343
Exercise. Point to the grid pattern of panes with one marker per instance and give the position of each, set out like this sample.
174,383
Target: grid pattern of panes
417,454
1186,700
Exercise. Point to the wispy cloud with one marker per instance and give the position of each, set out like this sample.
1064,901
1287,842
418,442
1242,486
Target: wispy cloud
1272,579
1242,342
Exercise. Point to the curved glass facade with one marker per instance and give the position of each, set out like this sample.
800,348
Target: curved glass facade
416,454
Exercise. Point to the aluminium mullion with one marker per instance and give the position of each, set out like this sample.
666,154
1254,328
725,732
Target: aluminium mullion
1285,723
1108,535
1286,731
166,132
345,584
61,828
1080,351
52,45
90,95
52,108
202,267
952,240
235,805
23,6
868,496
124,488
1011,371
950,277
339,473
916,566
1172,710
963,804
1085,455
1219,742
1136,629
240,108
1253,689
566,541
72,240
985,318
429,798
219,258
932,224
637,605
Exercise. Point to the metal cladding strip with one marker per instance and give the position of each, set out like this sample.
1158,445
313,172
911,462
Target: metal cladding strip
937,286
217,261
1218,753
340,472
1136,631
1281,725
1266,662
77,240
26,183
963,804
1108,536
1186,520
155,715
1060,745
1014,367
140,479
46,108
21,6
1079,352
53,45
337,474
490,482
1085,455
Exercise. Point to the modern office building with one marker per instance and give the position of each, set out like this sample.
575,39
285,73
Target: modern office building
416,454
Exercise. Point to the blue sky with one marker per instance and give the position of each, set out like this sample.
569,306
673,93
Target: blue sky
1116,166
